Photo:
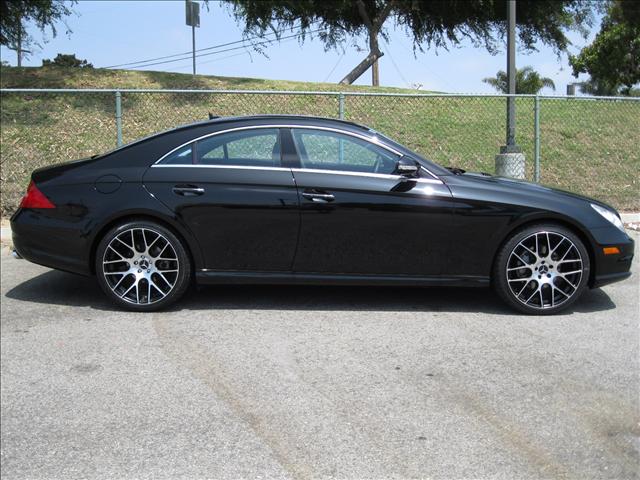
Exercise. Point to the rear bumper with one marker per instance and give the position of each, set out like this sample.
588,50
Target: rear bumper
48,242
611,268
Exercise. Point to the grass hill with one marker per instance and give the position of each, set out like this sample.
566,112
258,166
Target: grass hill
56,77
587,146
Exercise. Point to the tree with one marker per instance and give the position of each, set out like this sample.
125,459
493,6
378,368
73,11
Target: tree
15,13
63,60
593,87
528,81
612,60
434,23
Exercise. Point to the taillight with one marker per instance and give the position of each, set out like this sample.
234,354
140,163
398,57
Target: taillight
34,198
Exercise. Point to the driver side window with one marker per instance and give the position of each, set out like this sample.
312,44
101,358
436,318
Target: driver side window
325,150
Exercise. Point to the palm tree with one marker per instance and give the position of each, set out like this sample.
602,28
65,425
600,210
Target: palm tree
527,81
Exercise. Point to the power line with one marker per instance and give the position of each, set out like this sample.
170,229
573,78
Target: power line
265,42
181,54
388,50
421,64
178,67
334,67
199,50
218,59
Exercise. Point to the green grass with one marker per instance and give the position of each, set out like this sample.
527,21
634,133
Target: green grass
589,147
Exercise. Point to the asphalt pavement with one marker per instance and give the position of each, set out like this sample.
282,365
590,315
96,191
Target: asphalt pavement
315,382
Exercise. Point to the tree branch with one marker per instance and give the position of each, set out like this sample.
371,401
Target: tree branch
362,10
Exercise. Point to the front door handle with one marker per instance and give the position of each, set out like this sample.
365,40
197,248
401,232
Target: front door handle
188,190
318,197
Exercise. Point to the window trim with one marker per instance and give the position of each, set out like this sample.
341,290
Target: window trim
313,127
306,170
372,140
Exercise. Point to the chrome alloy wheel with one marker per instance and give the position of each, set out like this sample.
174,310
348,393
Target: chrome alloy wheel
140,266
544,270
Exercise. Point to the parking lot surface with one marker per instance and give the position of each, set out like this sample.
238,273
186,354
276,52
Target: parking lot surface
315,382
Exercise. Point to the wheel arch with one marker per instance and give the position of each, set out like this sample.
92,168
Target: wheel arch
575,228
191,246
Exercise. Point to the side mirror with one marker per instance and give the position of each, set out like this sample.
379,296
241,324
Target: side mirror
407,167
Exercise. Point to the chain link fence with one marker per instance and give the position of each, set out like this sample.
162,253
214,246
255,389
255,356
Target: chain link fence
588,145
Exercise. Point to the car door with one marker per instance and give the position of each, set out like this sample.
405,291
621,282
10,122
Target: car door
358,216
230,189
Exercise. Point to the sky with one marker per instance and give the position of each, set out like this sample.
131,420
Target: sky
115,32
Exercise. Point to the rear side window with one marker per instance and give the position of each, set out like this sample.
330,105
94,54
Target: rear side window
179,157
252,148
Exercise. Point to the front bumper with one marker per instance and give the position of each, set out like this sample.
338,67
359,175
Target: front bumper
611,268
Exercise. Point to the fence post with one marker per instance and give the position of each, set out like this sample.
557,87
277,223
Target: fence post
536,139
341,117
118,119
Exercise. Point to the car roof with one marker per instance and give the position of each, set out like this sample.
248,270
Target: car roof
181,135
276,118
248,119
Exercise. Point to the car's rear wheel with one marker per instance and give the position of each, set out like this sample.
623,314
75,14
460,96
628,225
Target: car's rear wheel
541,269
143,266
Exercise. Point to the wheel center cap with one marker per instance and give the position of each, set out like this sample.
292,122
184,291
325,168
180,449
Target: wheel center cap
543,269
144,264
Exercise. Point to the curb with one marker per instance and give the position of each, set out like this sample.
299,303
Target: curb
5,234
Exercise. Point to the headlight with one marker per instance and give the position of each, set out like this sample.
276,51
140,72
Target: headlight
609,215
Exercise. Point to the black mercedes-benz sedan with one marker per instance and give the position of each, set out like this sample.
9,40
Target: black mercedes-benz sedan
290,199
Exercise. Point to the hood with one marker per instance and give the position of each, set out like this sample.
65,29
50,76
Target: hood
524,187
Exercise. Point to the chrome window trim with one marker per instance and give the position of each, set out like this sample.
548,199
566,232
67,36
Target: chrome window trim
343,172
372,140
435,177
365,174
239,167
305,170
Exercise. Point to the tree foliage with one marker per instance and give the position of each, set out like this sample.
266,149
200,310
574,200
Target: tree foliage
528,81
431,24
66,60
44,13
612,60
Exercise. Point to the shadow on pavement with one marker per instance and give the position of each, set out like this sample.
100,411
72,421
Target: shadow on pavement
59,288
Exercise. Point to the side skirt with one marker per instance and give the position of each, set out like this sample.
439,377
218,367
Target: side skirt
283,278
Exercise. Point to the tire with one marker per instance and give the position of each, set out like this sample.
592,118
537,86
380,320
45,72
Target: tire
541,269
142,266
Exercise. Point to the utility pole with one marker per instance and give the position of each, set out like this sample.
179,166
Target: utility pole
510,160
193,46
192,10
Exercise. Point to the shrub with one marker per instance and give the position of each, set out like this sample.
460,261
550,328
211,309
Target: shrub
64,60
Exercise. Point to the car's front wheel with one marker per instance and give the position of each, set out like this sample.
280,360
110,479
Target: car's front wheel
143,266
541,269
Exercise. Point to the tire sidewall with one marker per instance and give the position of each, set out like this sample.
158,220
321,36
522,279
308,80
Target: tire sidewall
499,276
184,275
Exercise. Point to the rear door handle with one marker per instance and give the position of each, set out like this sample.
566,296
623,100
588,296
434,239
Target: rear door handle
188,190
318,197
